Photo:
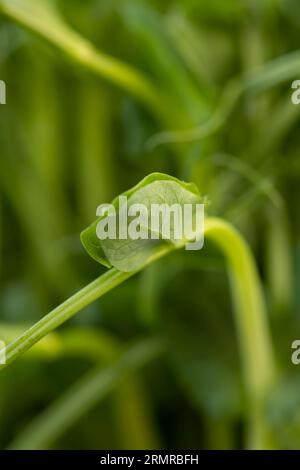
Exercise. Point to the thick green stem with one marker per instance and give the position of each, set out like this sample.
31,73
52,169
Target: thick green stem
251,321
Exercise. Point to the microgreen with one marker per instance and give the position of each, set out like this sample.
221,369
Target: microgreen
257,357
93,90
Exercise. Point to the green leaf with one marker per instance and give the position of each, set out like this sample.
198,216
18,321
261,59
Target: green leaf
130,255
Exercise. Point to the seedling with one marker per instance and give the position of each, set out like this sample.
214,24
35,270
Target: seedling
174,101
126,260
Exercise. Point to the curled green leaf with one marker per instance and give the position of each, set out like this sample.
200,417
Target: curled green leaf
127,254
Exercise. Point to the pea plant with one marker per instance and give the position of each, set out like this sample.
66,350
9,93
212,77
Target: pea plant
125,260
220,117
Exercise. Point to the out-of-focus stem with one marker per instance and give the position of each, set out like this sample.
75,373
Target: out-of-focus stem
42,18
255,344
83,395
95,167
279,262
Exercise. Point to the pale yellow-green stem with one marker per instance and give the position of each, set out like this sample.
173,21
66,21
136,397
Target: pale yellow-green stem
255,345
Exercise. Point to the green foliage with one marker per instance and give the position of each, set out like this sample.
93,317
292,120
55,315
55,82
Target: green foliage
195,89
43,18
130,255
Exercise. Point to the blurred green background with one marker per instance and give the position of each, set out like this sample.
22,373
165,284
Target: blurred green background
210,103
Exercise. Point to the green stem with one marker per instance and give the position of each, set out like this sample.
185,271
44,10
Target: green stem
250,315
95,160
134,418
70,307
254,337
84,342
43,19
271,74
219,434
84,395
279,264
64,312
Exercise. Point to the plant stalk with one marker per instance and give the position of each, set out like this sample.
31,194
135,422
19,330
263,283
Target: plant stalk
250,315
255,344
70,307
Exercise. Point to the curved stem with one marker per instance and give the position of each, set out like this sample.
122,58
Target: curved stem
253,333
271,74
250,315
44,19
